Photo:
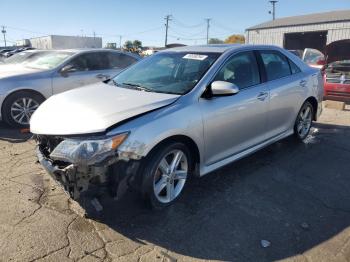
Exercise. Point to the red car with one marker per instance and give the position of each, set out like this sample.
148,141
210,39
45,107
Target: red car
337,71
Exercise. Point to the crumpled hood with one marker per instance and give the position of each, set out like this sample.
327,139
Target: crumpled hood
8,70
338,51
93,109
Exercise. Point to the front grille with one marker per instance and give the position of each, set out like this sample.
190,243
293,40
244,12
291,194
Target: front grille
337,77
338,94
338,81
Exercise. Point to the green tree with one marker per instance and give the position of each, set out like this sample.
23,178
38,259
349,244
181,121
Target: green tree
215,41
128,45
137,44
235,39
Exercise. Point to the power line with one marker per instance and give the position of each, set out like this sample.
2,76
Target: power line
186,34
185,25
199,38
26,30
224,27
146,31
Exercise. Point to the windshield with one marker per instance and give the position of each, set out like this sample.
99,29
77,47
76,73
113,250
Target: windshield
173,72
22,56
48,60
312,56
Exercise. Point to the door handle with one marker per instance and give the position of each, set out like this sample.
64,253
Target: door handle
303,83
262,96
102,76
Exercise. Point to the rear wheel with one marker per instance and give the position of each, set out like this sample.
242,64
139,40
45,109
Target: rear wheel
303,122
19,107
166,173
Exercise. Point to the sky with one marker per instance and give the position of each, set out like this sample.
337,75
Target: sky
144,19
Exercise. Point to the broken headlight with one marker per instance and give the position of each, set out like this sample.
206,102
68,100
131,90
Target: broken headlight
87,152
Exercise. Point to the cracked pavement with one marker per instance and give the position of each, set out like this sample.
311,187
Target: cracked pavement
296,196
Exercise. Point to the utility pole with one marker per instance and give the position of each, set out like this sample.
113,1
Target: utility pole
167,19
3,31
208,25
273,2
120,43
94,35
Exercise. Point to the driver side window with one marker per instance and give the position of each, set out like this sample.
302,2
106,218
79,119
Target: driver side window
79,63
90,62
241,70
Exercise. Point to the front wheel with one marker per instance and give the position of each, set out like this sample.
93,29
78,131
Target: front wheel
19,107
303,122
166,173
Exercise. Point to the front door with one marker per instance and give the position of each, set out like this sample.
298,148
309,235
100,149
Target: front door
235,123
85,69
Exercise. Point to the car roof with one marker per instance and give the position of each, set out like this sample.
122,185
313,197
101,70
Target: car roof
218,48
203,48
87,50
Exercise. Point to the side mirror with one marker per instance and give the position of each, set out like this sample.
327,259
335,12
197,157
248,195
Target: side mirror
223,88
67,69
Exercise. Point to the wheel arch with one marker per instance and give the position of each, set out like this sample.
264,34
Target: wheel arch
15,92
189,142
20,90
313,101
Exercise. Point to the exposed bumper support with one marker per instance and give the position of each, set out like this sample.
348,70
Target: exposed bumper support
111,176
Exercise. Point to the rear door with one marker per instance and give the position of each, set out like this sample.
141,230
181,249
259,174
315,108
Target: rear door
235,123
86,68
286,86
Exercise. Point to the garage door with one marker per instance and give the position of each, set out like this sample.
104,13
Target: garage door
300,41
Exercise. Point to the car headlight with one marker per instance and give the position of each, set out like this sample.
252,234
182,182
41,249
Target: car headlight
87,152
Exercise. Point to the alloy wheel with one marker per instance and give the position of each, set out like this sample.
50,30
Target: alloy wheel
170,176
304,121
22,109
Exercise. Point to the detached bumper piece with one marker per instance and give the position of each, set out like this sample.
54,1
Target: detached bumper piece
92,181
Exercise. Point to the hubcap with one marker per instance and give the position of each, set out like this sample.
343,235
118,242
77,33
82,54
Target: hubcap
22,109
304,122
170,176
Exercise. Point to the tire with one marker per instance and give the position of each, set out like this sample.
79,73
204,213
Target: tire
303,122
18,101
161,187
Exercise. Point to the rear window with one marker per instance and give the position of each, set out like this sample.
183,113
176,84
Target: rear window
90,61
293,67
118,60
276,64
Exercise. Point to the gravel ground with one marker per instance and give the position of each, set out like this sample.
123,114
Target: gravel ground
287,202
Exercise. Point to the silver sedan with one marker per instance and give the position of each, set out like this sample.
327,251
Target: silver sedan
181,112
24,86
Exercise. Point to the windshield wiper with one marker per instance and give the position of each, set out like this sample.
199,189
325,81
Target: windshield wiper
137,87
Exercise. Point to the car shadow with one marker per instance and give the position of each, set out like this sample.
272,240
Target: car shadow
294,195
13,135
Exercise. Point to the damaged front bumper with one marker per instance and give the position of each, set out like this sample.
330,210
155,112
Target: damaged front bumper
113,176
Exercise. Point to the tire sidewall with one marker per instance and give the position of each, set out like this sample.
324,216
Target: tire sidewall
151,163
296,134
6,111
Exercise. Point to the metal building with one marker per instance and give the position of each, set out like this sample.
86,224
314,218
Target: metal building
305,31
61,42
